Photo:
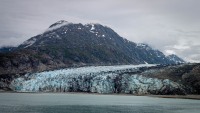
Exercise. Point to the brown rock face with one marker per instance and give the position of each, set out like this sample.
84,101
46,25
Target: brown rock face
193,78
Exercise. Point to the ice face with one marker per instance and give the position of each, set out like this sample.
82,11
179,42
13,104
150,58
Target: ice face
99,79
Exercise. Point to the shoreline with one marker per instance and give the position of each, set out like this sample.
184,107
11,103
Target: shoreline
193,97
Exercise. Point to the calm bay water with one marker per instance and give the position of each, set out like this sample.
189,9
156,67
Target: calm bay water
89,103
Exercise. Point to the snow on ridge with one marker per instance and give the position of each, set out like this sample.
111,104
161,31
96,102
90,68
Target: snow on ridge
141,44
59,24
144,46
92,31
175,59
93,25
30,42
92,28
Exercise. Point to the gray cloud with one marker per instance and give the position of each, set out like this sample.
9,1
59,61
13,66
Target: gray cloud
171,26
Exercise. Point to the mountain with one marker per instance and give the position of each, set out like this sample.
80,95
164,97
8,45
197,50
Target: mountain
6,49
66,44
174,58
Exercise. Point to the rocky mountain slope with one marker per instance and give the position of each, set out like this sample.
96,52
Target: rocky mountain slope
6,49
66,44
175,59
186,74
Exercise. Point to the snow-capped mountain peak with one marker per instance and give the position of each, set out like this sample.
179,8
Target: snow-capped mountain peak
58,25
66,44
175,58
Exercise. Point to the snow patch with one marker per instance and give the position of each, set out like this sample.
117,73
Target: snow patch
60,24
92,32
30,42
175,59
143,46
92,28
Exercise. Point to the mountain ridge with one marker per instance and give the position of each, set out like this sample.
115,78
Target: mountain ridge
66,44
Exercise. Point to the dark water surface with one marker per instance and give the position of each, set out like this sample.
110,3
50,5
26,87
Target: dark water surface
89,103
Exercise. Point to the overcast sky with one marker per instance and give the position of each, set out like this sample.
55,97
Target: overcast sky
172,26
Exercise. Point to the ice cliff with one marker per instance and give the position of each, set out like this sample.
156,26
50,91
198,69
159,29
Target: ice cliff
100,79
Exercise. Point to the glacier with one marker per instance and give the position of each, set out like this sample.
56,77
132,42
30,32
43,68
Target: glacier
96,79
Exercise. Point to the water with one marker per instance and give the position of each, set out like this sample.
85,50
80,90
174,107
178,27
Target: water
90,103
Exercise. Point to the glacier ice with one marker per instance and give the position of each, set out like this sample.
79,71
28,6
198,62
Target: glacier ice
95,79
